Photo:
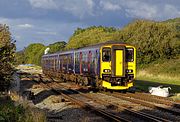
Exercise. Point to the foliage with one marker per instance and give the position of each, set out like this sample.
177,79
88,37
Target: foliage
57,46
33,53
153,40
7,54
11,113
20,57
91,35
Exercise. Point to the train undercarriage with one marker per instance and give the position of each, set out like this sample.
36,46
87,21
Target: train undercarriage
95,82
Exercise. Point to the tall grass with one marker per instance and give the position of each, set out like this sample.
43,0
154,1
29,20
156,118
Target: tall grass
159,77
9,112
163,71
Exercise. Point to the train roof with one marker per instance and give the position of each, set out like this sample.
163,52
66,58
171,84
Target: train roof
59,52
94,46
103,43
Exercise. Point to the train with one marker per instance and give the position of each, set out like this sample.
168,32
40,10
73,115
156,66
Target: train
110,65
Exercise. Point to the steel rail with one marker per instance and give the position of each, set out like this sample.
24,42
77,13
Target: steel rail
144,103
85,105
146,116
103,112
155,99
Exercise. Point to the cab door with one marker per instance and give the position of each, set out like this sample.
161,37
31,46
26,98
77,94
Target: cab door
119,62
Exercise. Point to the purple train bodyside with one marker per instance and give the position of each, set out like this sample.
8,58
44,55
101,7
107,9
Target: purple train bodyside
85,62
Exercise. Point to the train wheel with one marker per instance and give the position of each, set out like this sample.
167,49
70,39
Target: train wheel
76,81
105,89
124,91
111,91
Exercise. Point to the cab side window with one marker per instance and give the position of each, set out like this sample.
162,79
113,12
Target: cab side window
106,54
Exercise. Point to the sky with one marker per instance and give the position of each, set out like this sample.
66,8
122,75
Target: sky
49,21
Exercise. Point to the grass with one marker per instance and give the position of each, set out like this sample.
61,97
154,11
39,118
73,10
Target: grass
170,67
160,78
9,112
161,72
145,79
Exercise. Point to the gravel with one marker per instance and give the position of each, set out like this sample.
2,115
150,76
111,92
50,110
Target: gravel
56,108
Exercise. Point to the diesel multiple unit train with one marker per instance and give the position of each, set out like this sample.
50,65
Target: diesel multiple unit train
110,65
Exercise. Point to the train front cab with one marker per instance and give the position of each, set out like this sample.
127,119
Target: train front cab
118,66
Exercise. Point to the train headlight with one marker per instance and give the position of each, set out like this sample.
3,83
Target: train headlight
129,70
106,70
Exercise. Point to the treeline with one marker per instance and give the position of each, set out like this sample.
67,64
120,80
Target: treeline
7,54
33,53
153,40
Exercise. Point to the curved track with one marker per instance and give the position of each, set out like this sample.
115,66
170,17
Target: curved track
84,101
80,100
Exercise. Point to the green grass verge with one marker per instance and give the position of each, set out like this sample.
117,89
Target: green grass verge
161,72
143,85
159,78
145,80
9,112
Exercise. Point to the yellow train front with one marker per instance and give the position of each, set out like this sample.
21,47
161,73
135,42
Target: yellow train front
117,66
110,65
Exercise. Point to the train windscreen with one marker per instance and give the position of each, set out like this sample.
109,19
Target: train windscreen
106,54
129,55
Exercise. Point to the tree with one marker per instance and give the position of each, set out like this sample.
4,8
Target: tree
34,52
7,54
153,40
57,46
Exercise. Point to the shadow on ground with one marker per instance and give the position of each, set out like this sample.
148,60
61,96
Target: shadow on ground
42,95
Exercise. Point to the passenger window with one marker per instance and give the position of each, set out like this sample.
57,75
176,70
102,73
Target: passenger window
106,54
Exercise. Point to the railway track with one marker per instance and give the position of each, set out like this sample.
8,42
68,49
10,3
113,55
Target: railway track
78,97
152,98
67,93
148,100
141,100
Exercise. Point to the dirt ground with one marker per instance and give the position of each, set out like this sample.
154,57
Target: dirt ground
55,107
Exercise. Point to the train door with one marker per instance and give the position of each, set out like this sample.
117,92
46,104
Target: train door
118,61
89,62
80,66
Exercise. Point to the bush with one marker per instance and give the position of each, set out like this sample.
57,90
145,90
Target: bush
7,54
11,113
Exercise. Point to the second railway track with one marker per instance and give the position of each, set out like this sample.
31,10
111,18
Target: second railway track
162,107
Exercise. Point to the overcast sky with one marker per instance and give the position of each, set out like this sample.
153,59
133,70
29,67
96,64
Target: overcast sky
48,21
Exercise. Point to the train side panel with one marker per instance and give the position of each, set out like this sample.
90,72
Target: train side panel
87,62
